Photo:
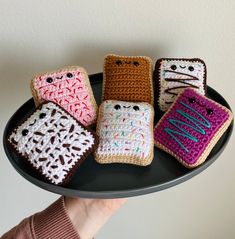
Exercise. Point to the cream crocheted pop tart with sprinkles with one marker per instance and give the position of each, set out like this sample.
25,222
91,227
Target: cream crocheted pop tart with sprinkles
172,75
125,131
70,88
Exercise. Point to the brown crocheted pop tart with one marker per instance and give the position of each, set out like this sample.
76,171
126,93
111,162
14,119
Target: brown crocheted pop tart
128,78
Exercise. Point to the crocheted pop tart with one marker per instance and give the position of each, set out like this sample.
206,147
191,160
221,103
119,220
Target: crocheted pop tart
174,74
125,133
128,78
53,143
70,88
191,127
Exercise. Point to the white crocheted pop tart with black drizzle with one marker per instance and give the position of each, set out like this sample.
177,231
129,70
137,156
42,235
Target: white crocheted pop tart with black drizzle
53,143
172,75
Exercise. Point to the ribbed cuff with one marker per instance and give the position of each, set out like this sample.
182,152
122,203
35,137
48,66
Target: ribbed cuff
54,222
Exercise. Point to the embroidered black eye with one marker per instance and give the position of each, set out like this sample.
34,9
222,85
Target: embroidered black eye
24,132
69,75
209,111
136,108
118,62
173,67
191,100
117,107
49,80
42,115
191,68
136,63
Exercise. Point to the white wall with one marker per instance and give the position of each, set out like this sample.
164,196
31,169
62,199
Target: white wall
37,36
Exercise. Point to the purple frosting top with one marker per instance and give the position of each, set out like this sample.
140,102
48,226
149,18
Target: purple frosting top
188,127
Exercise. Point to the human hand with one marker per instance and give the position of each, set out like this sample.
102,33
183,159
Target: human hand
89,215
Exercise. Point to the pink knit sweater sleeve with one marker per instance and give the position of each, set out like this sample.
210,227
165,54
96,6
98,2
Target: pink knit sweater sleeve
53,222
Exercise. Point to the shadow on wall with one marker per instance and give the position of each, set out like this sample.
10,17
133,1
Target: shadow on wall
18,65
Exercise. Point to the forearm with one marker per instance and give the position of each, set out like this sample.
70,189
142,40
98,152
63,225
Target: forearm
70,218
53,222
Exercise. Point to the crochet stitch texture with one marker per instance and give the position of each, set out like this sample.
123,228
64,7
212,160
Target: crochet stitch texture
125,131
191,127
70,88
128,78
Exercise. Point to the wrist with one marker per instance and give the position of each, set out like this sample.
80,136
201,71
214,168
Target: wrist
89,215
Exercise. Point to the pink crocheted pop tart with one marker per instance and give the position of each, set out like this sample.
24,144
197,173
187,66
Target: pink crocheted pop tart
191,127
70,88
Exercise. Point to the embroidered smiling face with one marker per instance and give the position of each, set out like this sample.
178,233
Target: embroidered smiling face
125,131
70,88
128,78
173,75
189,130
52,141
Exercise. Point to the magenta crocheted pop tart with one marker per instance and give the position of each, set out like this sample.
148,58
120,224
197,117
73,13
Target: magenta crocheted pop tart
191,127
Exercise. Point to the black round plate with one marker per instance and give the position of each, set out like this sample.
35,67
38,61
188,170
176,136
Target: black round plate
94,180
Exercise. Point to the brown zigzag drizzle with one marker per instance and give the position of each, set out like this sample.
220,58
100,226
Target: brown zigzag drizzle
183,83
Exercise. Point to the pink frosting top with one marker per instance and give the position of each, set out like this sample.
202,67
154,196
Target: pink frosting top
71,90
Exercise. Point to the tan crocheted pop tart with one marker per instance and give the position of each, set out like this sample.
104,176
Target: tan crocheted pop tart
128,78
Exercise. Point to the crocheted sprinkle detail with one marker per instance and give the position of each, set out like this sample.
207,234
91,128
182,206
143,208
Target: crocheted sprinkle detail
125,129
70,88
128,79
177,74
189,126
53,142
